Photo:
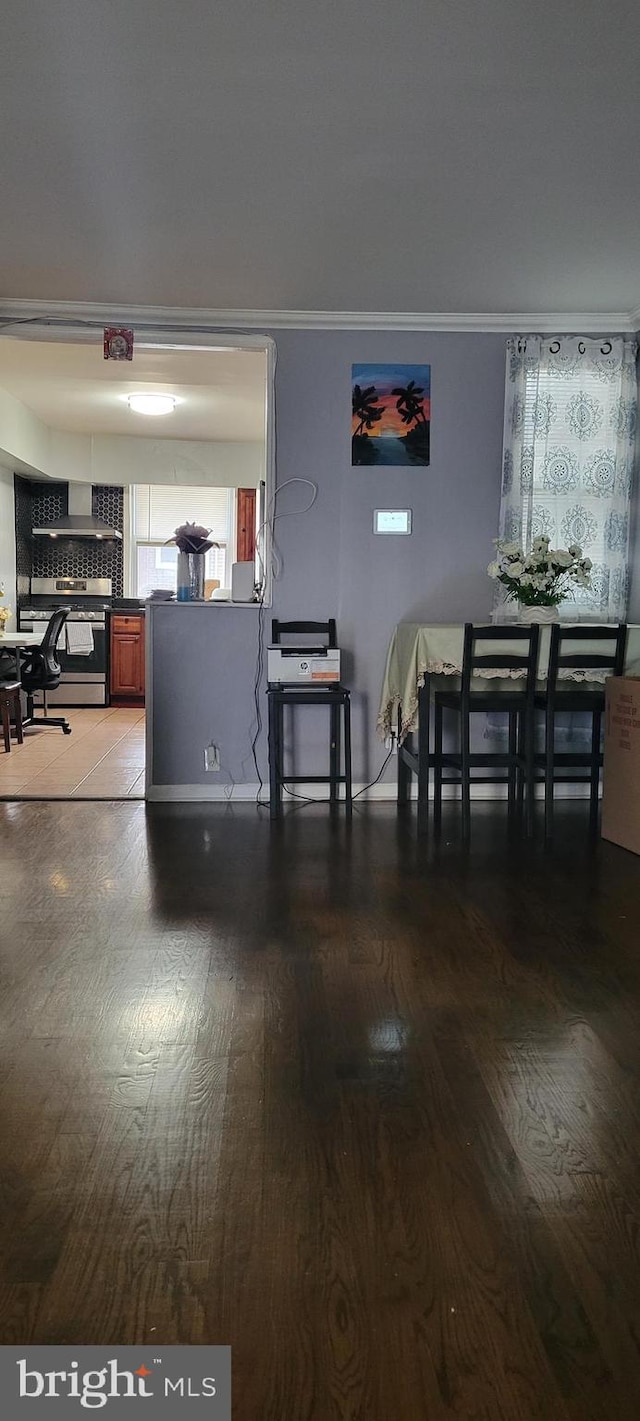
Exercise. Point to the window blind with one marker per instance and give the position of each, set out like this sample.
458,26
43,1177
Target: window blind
159,509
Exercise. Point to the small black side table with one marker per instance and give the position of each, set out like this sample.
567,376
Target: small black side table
338,699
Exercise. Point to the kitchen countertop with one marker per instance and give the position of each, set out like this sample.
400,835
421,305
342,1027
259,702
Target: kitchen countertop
235,606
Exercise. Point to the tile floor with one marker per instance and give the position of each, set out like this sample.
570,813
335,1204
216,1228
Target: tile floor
103,758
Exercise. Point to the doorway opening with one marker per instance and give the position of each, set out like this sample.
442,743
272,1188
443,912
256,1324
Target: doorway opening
75,434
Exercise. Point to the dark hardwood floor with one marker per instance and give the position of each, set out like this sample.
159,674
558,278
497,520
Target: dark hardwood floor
364,1108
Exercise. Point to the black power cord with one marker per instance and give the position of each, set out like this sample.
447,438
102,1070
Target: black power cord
256,696
377,778
306,800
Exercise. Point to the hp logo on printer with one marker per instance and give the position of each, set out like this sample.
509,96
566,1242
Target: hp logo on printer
305,669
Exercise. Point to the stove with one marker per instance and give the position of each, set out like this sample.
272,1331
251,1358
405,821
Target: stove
88,597
40,609
43,611
83,657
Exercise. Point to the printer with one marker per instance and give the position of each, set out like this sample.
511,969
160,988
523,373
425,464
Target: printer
303,665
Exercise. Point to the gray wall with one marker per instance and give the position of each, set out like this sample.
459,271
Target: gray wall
332,563
204,660
8,544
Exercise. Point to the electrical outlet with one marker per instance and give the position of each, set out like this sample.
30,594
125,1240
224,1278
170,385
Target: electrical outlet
211,758
391,743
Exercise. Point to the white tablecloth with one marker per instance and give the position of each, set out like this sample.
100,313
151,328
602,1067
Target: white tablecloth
416,650
9,641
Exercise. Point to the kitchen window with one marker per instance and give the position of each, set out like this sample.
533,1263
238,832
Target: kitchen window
156,511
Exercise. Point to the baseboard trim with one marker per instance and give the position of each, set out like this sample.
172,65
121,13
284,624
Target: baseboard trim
382,793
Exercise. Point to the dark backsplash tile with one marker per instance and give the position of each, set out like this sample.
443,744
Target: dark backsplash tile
38,503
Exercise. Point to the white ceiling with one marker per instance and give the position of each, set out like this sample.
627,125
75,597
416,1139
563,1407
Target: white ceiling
221,394
421,155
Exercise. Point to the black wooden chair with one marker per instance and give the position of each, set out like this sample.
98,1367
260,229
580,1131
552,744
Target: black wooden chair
41,671
335,696
517,761
568,653
10,704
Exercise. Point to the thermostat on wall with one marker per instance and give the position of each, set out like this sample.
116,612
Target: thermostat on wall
392,520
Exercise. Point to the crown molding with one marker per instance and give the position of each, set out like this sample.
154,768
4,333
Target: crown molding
76,313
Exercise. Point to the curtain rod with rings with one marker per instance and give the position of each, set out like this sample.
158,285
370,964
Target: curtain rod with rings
556,345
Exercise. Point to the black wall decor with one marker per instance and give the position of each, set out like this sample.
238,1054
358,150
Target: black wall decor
38,504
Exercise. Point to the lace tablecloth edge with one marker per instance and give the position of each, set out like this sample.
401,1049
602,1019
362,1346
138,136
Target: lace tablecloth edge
387,723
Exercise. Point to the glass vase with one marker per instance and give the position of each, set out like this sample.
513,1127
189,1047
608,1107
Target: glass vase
183,580
196,576
190,577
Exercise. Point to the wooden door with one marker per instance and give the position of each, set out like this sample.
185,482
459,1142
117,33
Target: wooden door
246,525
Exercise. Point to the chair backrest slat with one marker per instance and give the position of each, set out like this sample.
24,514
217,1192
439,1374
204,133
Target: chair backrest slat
506,657
607,651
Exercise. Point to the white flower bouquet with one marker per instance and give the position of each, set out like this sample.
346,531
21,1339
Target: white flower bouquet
542,578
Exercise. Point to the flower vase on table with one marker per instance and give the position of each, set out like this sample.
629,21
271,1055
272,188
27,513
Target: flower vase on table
544,616
192,542
540,580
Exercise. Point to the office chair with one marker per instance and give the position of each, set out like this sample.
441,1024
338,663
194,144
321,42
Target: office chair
41,671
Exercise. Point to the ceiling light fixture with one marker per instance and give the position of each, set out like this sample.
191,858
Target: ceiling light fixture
152,404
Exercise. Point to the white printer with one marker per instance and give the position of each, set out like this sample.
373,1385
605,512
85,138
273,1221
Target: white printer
303,665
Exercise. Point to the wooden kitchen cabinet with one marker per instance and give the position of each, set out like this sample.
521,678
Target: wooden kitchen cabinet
126,680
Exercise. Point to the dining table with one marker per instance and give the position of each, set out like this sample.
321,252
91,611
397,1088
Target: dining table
420,653
20,641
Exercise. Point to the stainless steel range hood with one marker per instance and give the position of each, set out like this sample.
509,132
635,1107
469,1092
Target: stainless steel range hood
80,521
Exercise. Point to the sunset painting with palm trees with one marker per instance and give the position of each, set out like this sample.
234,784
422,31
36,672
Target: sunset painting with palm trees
391,414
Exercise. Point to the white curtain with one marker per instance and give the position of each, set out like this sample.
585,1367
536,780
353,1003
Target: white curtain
569,434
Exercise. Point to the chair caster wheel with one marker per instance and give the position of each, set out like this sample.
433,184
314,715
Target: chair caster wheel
66,730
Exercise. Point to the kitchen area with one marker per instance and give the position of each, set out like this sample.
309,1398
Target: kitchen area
99,542
70,550
70,553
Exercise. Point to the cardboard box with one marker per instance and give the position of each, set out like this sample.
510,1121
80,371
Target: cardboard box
621,775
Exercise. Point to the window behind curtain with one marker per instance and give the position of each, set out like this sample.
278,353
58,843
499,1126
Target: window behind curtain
570,425
157,510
